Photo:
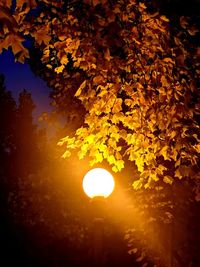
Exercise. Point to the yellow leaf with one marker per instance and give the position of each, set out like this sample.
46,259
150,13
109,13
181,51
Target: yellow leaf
59,69
153,176
102,147
81,87
140,164
62,141
137,184
168,179
114,169
128,102
164,18
178,174
66,154
123,133
174,155
119,164
118,155
164,81
83,151
111,159
178,163
160,169
164,151
90,138
64,60
173,134
93,66
99,157
117,106
49,66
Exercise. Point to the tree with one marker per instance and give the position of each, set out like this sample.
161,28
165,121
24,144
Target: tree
134,74
8,124
7,137
136,80
8,181
27,152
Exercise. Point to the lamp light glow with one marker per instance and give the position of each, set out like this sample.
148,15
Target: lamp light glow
98,182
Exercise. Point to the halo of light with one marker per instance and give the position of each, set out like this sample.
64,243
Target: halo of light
98,182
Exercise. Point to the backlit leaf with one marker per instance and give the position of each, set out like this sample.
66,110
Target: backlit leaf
66,154
64,60
107,54
81,87
137,184
168,179
164,18
59,69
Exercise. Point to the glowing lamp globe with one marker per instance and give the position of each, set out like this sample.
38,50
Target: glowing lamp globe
98,183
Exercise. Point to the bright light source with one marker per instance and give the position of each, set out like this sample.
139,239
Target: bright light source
98,183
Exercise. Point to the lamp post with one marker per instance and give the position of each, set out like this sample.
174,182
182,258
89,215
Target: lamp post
98,184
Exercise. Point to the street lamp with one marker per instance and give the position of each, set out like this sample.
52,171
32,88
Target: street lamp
98,184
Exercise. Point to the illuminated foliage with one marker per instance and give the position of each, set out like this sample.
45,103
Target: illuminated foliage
136,80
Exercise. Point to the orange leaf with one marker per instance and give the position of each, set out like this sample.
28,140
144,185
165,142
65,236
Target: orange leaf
168,60
80,89
98,79
164,18
64,60
107,54
42,35
142,5
59,69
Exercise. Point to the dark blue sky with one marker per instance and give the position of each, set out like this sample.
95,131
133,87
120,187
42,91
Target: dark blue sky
19,76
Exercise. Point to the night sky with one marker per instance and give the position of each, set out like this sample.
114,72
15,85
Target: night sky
19,76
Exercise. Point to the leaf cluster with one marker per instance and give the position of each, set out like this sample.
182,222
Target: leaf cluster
135,78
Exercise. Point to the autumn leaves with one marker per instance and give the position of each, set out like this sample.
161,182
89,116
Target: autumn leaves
127,68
